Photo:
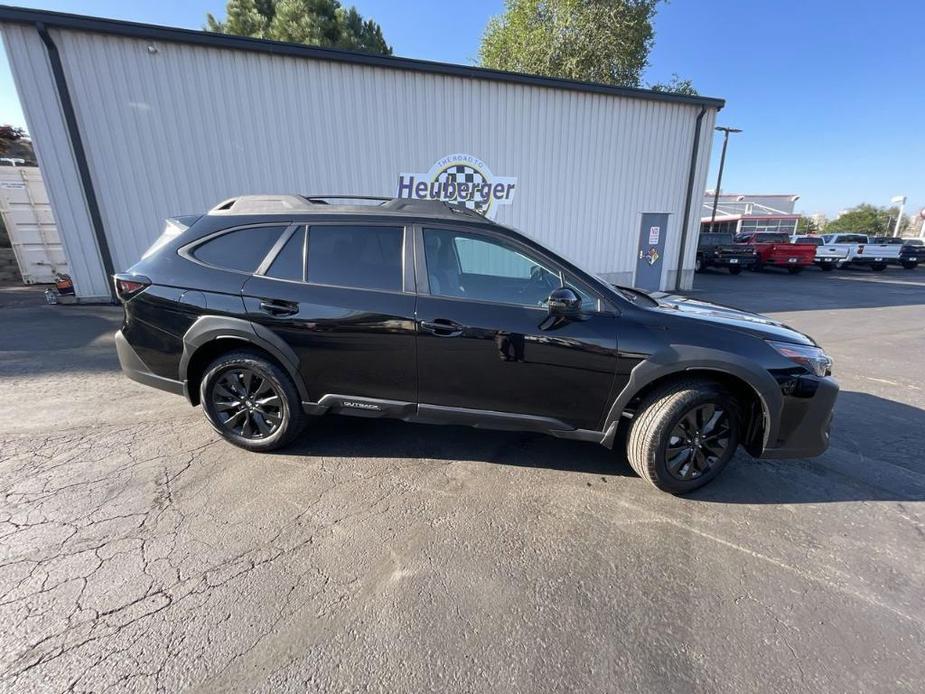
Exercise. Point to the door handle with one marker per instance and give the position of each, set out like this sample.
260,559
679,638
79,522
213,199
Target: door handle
442,327
279,308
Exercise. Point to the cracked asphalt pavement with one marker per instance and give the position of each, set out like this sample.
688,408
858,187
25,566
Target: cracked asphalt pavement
139,552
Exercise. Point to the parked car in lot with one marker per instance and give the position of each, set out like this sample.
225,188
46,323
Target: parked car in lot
774,249
717,249
862,252
827,257
911,251
270,309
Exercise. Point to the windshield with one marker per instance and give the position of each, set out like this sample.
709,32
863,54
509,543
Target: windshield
715,239
814,240
772,238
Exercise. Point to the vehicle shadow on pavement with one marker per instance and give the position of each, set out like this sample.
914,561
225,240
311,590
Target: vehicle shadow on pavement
882,464
339,436
875,455
49,339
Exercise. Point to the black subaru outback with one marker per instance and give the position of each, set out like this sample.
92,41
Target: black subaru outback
269,309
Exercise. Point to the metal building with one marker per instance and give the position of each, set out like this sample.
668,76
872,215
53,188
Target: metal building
134,123
738,213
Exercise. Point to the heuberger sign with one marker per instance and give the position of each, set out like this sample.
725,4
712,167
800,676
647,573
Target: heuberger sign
460,178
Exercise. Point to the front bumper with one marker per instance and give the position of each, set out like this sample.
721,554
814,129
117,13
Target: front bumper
870,260
746,261
806,418
137,370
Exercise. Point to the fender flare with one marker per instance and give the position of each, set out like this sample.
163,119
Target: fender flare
208,329
679,359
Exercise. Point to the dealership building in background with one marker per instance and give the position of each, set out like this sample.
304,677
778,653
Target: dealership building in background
738,213
134,123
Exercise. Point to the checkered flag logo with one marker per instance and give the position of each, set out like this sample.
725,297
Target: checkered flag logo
483,193
462,173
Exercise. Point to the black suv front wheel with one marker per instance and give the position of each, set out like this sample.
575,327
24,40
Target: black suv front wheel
683,435
251,401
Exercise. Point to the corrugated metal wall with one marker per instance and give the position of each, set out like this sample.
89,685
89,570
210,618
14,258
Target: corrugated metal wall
172,128
36,88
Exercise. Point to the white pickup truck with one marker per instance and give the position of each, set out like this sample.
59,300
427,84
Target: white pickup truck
861,252
827,257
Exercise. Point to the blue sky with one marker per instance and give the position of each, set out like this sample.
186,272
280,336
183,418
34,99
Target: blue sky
829,93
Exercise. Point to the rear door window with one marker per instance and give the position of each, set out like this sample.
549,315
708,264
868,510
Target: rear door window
241,250
361,257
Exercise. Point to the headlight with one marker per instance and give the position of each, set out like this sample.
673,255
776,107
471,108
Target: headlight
812,359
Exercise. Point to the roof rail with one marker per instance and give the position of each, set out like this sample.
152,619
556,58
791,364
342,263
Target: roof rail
258,204
322,199
433,206
264,204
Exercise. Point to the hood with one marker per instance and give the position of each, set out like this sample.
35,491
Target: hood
733,318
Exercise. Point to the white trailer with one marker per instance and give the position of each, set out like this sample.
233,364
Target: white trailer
30,224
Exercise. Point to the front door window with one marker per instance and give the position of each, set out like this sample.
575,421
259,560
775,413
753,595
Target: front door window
470,266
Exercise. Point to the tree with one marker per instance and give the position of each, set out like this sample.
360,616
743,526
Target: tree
868,219
604,41
675,85
315,22
807,225
15,144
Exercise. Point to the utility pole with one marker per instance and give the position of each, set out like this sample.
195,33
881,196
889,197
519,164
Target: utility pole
901,201
719,177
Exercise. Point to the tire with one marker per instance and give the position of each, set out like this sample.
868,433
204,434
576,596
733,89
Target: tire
757,267
735,269
794,270
658,420
909,265
878,267
269,415
828,267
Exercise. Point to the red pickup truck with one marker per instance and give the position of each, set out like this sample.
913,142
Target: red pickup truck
775,250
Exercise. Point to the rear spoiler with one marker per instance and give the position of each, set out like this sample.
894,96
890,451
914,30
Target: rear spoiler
181,223
173,227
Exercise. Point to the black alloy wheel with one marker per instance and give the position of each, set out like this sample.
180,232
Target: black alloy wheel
698,442
683,434
246,403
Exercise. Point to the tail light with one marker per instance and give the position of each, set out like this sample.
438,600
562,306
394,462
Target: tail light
128,286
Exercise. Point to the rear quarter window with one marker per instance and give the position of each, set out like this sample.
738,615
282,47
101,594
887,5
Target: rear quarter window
241,250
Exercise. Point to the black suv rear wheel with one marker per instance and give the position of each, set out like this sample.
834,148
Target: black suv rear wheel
251,401
683,435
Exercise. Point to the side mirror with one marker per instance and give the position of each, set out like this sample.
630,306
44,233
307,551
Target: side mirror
563,302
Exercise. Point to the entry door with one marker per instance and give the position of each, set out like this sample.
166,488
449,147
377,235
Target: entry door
651,253
486,341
